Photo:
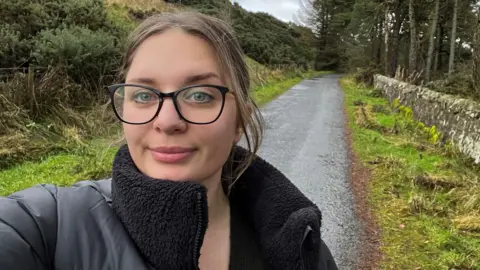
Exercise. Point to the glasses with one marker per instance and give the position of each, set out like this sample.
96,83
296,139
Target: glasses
140,104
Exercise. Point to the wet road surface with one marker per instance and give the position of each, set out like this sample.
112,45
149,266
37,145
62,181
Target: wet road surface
305,139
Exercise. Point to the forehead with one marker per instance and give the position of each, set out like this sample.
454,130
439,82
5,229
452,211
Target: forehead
171,56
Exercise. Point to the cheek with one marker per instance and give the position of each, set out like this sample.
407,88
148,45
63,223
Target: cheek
134,133
221,134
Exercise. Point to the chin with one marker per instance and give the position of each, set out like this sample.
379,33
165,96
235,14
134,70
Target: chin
165,173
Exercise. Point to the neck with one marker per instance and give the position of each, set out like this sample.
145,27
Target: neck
218,203
215,250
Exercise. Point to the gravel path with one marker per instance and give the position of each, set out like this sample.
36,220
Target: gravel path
305,138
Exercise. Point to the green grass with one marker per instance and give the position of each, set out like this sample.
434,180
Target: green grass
94,159
274,88
425,197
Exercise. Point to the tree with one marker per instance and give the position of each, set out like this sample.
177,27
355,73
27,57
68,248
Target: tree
453,38
329,20
364,35
476,53
399,14
412,61
271,41
431,47
380,35
387,31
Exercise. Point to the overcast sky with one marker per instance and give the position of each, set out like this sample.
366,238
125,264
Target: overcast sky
282,9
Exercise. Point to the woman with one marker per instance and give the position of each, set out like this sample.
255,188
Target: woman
183,195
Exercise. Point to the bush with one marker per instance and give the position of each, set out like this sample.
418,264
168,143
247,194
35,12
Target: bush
90,14
86,55
30,17
365,76
22,20
26,17
120,22
13,49
459,84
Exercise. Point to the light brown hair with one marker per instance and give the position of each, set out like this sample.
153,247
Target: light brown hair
232,62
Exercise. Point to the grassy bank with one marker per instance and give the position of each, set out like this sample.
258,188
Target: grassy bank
424,194
93,158
275,87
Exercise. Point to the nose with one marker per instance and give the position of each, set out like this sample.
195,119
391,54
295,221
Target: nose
168,120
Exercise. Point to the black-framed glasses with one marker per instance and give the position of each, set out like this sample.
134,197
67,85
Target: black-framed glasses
139,104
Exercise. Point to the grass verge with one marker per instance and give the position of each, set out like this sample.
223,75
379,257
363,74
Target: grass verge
93,161
93,158
424,194
275,87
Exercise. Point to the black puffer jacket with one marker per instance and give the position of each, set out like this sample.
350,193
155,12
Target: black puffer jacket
134,222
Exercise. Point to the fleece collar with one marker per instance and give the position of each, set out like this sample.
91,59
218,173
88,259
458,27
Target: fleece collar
167,219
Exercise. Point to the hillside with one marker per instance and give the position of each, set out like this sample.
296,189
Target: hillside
63,53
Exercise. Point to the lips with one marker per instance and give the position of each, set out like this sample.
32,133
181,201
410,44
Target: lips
171,154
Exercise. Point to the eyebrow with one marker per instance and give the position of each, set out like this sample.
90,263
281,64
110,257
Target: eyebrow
200,77
188,80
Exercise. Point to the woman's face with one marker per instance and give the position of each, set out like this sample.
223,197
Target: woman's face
168,147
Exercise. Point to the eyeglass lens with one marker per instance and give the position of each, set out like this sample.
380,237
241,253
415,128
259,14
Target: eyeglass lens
136,104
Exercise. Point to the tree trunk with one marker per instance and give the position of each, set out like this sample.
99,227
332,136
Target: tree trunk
440,47
412,60
453,38
431,46
386,25
476,55
395,40
378,59
437,62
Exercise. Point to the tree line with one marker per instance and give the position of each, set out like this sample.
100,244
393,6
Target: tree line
435,40
432,40
263,37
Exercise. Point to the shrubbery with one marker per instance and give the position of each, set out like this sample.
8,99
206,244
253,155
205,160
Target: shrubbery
13,48
86,55
68,50
77,38
22,20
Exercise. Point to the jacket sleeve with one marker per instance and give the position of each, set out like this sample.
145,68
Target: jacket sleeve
28,226
326,259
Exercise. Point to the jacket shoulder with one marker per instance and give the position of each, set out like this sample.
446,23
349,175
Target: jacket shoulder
102,187
28,226
29,220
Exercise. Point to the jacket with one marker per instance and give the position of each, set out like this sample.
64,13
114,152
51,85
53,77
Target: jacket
131,221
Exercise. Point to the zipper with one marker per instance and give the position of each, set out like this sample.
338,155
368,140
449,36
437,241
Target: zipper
200,230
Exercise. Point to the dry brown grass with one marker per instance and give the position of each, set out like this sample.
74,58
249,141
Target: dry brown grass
259,74
468,223
142,5
365,117
468,199
12,117
43,113
435,182
66,130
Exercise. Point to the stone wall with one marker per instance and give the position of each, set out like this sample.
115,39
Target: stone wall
457,119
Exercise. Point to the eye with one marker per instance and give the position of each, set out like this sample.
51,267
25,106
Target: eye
144,96
197,95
